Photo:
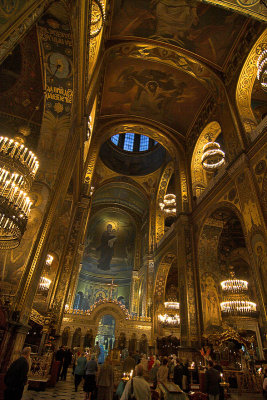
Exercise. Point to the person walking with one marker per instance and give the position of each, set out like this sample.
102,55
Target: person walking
16,376
79,370
212,382
90,378
105,381
137,386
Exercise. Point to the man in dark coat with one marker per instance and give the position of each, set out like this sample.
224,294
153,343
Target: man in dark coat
16,376
178,374
60,357
66,362
212,382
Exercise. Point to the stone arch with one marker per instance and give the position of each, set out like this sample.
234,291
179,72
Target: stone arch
245,84
210,272
164,137
162,190
119,313
199,176
161,277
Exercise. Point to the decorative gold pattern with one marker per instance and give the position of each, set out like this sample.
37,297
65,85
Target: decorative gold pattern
162,190
245,84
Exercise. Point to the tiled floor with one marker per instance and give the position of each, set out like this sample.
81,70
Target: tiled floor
65,391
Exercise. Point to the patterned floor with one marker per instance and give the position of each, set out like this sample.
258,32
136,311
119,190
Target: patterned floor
65,391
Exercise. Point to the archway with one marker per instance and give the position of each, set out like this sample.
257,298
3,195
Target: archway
245,85
163,137
199,176
221,245
105,335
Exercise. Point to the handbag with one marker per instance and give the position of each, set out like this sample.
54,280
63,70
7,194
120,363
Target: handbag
131,395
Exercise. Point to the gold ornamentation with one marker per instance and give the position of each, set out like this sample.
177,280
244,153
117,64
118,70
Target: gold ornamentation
173,58
245,84
162,190
199,176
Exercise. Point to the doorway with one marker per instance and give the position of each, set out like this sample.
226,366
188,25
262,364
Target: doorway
106,334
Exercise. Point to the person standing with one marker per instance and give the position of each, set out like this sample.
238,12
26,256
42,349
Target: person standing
90,378
162,375
128,364
178,374
154,373
105,381
16,376
60,357
137,386
212,382
79,370
66,362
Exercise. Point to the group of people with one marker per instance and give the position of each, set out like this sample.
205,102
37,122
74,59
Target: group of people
99,378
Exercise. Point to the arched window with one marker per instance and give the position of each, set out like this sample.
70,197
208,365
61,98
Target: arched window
133,142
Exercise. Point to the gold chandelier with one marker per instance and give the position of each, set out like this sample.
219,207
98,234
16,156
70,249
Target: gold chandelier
172,305
44,281
213,157
236,301
168,206
262,70
166,319
18,167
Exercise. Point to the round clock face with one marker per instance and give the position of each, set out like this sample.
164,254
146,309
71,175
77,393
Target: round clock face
248,3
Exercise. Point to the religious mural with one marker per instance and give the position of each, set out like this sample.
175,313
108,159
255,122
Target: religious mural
203,29
210,301
157,92
56,44
108,259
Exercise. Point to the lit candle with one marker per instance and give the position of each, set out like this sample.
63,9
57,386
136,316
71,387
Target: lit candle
16,144
20,150
3,144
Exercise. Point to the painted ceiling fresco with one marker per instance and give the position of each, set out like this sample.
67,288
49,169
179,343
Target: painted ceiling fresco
121,193
200,28
109,246
158,92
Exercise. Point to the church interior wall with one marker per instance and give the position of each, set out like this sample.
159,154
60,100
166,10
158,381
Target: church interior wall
96,211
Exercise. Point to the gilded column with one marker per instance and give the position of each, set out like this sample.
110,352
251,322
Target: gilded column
255,228
67,264
190,325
